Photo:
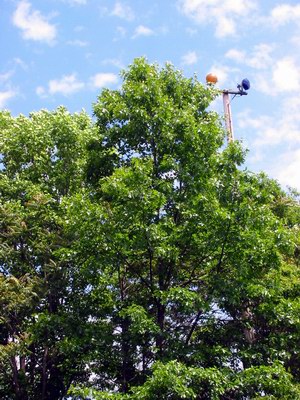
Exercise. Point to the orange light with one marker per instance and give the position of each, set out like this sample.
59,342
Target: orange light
211,78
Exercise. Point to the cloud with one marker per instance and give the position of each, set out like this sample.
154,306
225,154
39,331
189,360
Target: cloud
275,140
142,30
284,77
78,43
189,58
75,2
41,92
191,31
270,133
33,24
225,26
289,174
79,28
123,11
18,61
227,79
120,33
259,58
5,96
79,2
284,14
295,40
280,129
222,73
113,61
70,84
236,55
6,76
66,86
101,80
223,14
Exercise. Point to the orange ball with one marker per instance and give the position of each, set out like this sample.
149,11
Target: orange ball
211,78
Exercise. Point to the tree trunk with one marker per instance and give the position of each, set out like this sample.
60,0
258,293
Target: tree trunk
161,322
44,373
128,370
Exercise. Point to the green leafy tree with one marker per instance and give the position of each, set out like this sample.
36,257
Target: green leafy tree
194,247
138,260
42,322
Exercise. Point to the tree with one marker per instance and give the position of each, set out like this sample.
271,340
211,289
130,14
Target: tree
194,247
139,260
42,322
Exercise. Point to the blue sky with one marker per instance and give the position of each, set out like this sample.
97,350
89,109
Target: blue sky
57,52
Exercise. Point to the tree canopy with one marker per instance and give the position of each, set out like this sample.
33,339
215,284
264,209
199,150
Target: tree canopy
138,259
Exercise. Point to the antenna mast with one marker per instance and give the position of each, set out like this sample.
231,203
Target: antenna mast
241,90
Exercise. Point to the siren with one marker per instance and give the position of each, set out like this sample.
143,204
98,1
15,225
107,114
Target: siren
244,86
211,79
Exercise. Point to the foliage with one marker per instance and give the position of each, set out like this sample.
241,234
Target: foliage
42,326
176,381
138,260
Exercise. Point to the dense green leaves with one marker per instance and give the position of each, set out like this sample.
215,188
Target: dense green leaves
42,329
176,381
138,261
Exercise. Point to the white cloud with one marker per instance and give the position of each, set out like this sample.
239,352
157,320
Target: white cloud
225,26
70,84
41,92
284,14
287,168
113,61
79,28
5,96
67,85
142,30
77,43
163,30
269,132
75,2
222,73
123,11
6,76
223,14
282,77
273,130
286,75
275,140
295,40
121,33
189,58
191,31
236,55
259,58
79,2
21,63
33,24
101,80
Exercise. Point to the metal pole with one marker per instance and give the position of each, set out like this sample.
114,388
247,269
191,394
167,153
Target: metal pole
227,114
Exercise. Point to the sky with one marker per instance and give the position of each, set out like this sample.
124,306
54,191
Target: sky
64,52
